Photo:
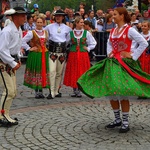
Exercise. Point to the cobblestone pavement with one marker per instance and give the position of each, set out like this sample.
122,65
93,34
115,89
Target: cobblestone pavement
72,123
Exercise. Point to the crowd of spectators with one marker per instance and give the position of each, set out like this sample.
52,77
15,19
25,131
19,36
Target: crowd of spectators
100,20
95,21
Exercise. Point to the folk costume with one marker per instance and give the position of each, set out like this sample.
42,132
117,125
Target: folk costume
116,77
58,39
37,66
10,48
78,61
119,76
145,57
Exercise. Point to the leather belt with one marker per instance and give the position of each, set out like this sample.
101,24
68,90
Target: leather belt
16,58
57,47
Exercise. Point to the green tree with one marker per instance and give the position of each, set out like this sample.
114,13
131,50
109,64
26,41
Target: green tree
45,5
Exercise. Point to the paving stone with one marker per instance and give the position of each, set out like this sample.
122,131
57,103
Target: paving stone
68,123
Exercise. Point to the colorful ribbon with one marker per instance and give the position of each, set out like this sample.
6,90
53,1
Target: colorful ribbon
43,63
140,78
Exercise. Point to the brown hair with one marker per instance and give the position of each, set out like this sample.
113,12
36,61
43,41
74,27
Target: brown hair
40,17
77,20
148,23
123,11
108,16
82,3
86,22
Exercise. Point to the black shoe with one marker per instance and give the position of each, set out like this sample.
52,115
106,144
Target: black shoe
49,96
58,95
78,95
5,123
41,96
124,129
73,95
37,96
113,125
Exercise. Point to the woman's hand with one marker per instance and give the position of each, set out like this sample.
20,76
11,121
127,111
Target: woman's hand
33,48
124,54
85,48
111,55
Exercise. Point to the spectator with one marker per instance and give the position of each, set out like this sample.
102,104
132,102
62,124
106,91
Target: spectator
81,12
99,14
85,16
57,8
145,17
66,10
70,18
134,21
52,18
92,19
88,26
35,9
109,24
29,25
82,5
48,17
100,17
138,14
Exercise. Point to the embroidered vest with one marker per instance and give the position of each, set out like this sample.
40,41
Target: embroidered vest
81,43
35,41
121,42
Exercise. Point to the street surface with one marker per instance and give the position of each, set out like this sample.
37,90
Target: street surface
68,123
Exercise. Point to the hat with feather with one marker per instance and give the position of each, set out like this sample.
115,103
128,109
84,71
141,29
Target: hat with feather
15,10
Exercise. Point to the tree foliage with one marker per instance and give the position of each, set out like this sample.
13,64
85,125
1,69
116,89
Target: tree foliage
45,5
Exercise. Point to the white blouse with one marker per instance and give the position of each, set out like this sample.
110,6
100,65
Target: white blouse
137,38
28,37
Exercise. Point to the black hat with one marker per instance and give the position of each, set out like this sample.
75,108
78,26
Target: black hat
15,10
19,10
59,12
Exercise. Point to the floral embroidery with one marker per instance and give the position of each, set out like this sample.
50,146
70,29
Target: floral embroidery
83,40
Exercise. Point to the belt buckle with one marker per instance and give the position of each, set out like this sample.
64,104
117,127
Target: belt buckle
58,49
59,44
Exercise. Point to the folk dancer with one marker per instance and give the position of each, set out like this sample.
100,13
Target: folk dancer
78,61
58,33
119,76
10,48
37,66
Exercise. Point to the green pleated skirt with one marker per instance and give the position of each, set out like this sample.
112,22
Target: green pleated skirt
33,71
109,78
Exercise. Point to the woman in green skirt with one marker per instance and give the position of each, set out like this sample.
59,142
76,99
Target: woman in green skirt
119,76
37,66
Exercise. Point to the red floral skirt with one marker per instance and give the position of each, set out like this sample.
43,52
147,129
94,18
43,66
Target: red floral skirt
145,62
77,64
